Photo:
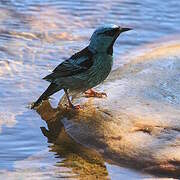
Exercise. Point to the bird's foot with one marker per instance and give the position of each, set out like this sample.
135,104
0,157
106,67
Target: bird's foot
71,106
33,105
92,93
77,107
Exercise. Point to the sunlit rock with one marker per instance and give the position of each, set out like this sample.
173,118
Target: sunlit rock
85,163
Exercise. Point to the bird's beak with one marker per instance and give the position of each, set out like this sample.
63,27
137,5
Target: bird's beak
125,29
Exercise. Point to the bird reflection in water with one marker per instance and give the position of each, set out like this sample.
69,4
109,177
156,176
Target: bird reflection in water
84,162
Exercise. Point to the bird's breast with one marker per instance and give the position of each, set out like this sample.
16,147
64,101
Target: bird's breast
100,70
90,78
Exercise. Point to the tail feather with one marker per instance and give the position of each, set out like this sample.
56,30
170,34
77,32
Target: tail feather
49,77
53,88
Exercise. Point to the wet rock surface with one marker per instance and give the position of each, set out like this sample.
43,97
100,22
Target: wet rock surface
138,124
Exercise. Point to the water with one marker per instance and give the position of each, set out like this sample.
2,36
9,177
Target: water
37,35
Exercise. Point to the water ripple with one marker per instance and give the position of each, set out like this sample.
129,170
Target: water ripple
37,35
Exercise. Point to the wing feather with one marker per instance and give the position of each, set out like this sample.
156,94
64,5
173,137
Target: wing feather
76,64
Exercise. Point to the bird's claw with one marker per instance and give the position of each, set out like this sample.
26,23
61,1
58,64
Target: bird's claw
33,105
77,107
92,93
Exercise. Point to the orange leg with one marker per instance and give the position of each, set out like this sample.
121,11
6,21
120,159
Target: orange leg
92,93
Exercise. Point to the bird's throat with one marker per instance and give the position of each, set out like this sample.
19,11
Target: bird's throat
110,50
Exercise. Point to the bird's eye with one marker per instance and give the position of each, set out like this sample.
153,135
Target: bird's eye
110,32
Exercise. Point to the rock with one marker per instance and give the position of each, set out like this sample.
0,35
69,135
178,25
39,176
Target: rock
138,124
85,163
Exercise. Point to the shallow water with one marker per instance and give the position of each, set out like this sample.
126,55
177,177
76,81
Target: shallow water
37,35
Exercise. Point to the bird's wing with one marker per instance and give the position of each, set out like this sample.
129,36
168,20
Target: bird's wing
76,64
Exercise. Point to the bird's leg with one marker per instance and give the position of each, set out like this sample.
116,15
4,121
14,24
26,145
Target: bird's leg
92,93
69,101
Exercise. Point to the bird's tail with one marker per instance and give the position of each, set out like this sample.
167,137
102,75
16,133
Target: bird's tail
53,88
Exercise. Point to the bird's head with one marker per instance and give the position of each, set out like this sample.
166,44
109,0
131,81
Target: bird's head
104,37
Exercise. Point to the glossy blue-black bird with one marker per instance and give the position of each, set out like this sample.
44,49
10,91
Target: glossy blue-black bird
85,69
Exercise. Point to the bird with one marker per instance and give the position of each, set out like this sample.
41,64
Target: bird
86,68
